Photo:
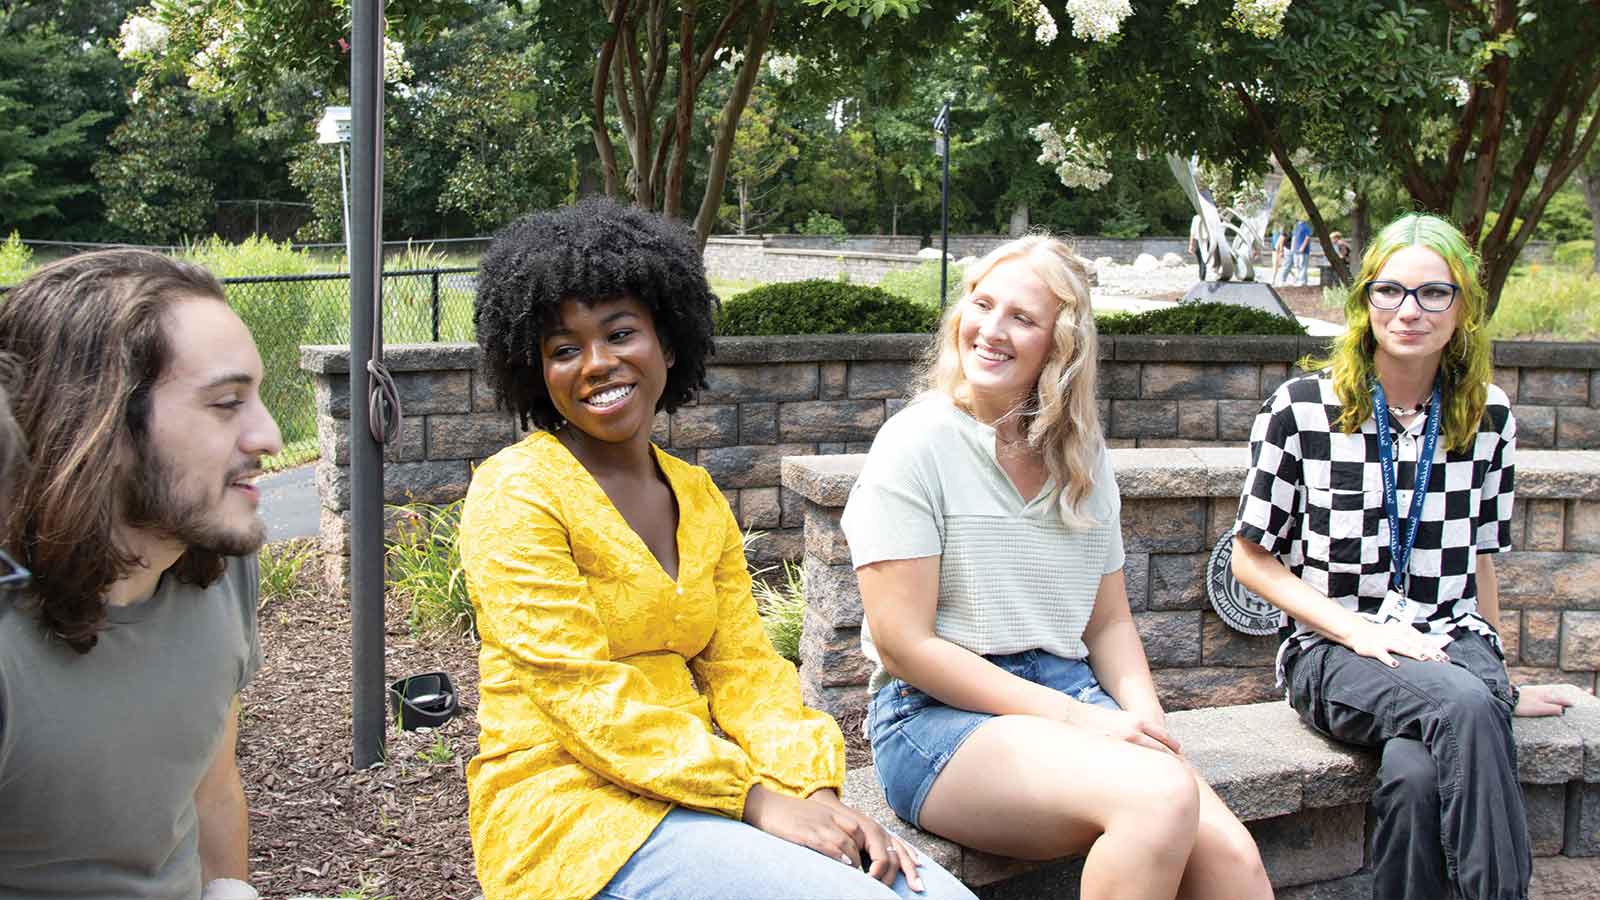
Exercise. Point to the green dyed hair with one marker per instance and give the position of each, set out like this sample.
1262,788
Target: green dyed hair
1465,369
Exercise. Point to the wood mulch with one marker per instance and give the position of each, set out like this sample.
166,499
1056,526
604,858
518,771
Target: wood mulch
318,827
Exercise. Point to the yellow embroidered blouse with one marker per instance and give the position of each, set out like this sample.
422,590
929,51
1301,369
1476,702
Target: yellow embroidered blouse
591,724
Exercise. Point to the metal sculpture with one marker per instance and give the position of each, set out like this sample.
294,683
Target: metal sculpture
1228,239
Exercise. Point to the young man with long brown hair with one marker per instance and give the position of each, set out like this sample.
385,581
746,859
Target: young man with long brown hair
122,660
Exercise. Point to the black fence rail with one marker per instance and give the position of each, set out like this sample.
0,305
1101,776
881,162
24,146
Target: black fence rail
286,311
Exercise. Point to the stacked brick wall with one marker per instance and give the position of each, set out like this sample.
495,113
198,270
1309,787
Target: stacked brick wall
768,398
1176,505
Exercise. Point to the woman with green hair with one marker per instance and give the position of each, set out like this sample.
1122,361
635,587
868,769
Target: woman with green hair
1380,487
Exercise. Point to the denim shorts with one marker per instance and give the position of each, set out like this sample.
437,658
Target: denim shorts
913,735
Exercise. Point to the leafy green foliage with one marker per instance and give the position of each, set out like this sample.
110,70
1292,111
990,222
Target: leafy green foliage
1549,303
781,604
16,260
58,95
921,285
281,565
1219,319
822,225
822,307
1570,255
424,566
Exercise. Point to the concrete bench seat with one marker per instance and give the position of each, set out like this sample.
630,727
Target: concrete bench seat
1305,799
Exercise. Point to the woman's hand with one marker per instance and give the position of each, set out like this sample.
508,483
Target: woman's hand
1542,700
824,824
891,856
1381,642
1143,730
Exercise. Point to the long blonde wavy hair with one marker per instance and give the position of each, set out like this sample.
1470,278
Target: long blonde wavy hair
1061,417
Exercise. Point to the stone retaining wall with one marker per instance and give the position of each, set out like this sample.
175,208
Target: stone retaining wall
1176,505
768,398
1304,799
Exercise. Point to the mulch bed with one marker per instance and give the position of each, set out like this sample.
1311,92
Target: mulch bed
317,826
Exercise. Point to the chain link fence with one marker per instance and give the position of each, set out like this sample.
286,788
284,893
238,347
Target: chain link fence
286,311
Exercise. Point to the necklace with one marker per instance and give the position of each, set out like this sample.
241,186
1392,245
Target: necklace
1406,410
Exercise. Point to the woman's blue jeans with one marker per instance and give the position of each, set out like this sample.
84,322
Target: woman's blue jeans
699,856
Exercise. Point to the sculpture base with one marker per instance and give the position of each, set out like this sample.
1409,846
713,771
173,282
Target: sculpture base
1254,294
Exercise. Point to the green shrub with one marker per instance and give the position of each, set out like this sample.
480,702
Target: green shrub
16,259
424,567
824,225
921,285
1218,319
782,607
1548,303
1575,255
822,307
281,564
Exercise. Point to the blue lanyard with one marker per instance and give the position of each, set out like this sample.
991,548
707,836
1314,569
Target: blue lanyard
1400,556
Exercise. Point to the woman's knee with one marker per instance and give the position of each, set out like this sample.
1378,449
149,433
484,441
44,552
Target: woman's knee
1162,796
1407,775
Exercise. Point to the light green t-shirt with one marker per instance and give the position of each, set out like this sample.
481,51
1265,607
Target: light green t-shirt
101,752
1012,575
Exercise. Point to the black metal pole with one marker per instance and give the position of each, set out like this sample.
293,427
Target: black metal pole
942,123
366,456
435,307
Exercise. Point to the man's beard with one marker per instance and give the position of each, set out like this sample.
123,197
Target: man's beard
151,500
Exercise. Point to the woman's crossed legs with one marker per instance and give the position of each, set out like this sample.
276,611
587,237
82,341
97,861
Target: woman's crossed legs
1151,828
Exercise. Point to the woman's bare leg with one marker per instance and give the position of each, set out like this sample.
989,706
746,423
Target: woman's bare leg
1035,788
1225,864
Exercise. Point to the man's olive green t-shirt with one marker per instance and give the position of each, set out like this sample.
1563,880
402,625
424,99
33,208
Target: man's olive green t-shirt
100,753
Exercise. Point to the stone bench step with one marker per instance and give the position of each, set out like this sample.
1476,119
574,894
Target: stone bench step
1304,798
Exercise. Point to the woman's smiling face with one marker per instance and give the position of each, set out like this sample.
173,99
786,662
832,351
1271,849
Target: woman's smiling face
1006,333
604,367
1411,334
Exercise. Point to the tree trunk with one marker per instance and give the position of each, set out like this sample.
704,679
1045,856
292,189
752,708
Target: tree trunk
1341,271
1360,225
728,123
1591,195
1019,219
744,206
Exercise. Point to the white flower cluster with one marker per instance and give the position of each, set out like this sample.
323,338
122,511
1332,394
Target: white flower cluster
1460,90
1097,20
396,70
141,35
1044,24
730,62
783,67
1262,18
1078,164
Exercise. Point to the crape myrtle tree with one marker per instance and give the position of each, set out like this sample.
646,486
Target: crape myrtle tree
1475,106
645,62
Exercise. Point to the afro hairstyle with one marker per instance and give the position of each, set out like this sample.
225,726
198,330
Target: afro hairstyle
594,250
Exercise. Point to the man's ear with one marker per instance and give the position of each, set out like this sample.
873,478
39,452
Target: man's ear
667,354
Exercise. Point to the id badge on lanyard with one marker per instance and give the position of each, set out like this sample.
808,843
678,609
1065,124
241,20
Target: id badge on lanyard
1396,606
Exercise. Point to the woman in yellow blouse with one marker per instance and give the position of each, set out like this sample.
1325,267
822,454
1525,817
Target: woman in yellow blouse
638,734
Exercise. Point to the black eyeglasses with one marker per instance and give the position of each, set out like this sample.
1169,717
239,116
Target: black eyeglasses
1435,296
15,575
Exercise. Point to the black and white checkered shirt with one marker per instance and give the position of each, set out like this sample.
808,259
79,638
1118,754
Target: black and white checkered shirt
1314,497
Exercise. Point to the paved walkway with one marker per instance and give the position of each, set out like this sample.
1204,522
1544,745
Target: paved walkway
289,503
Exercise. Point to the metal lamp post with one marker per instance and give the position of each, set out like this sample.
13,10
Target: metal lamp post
941,146
334,128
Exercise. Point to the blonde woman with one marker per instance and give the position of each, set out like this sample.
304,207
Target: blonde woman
986,537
